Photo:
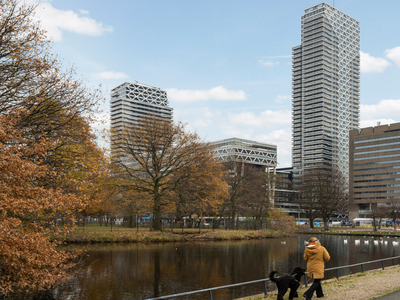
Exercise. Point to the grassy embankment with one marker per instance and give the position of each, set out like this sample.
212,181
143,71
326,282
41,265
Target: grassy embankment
359,231
103,234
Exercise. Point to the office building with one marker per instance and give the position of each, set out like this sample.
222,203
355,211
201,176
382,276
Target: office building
132,101
259,154
326,78
374,168
285,195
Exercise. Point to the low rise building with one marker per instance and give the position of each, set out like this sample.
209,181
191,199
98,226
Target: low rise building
250,152
261,155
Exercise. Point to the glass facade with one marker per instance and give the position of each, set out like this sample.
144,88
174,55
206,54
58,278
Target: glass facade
285,196
326,76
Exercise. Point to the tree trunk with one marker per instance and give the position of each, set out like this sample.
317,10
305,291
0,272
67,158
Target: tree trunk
311,223
130,220
157,217
326,225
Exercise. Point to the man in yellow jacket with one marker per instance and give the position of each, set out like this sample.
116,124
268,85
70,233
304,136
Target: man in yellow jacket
316,256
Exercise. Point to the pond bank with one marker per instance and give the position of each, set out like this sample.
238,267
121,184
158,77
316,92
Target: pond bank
131,236
360,231
128,235
360,286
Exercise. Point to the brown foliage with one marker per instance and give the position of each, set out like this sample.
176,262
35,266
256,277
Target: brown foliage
169,164
27,259
200,188
47,151
280,221
248,193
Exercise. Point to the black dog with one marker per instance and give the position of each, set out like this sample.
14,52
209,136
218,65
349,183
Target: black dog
286,282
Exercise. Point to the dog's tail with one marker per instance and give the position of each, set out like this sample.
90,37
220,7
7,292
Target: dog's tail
271,276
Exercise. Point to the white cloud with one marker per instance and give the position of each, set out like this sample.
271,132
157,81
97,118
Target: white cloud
371,64
394,55
55,21
282,98
374,122
283,139
201,123
266,119
111,75
387,109
267,126
268,63
217,93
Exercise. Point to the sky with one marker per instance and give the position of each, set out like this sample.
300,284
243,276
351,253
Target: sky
225,64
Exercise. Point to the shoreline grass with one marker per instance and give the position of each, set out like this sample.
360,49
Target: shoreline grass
355,232
130,235
103,234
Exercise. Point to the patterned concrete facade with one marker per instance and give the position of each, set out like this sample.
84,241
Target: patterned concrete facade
326,75
242,150
132,101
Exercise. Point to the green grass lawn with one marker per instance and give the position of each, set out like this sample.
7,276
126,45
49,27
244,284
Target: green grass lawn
103,234
98,228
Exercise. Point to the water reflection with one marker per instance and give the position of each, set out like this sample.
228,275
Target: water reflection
138,271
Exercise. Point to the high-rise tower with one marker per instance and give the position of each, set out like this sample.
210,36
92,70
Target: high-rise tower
326,87
132,101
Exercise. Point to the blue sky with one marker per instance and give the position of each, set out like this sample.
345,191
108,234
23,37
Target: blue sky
226,65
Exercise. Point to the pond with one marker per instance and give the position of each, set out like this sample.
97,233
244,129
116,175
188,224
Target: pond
140,271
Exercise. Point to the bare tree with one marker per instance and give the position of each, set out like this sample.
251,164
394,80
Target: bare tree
247,191
377,213
306,198
323,191
393,210
155,157
260,194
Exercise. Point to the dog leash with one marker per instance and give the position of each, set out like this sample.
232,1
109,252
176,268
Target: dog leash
294,278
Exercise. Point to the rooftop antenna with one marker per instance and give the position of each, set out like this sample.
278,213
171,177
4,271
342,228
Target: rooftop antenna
333,3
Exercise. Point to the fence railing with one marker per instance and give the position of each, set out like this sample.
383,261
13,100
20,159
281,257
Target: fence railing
264,281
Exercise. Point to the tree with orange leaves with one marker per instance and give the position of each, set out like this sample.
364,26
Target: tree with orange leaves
47,152
200,190
28,259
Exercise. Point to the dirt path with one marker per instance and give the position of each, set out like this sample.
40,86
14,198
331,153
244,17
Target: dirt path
360,286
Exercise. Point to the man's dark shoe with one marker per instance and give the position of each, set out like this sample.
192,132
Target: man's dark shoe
305,296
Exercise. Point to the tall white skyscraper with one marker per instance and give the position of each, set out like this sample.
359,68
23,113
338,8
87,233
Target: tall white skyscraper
132,101
326,88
